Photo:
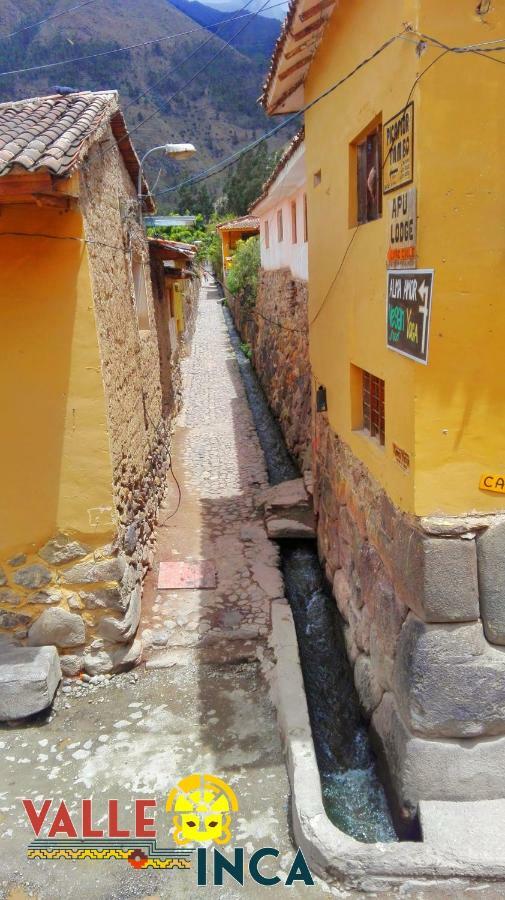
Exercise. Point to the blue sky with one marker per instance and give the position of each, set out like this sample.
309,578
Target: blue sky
224,5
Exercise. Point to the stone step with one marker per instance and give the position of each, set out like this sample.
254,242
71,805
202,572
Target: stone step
475,830
29,677
220,653
288,510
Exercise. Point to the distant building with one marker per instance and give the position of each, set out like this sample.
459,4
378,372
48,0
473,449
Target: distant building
405,187
83,446
232,232
282,213
175,287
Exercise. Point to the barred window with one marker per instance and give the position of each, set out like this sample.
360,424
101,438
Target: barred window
373,406
369,177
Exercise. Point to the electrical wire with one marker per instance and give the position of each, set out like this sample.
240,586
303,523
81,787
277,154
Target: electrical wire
224,164
414,85
166,37
64,12
217,168
183,87
62,237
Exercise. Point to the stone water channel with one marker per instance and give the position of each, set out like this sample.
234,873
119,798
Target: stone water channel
353,795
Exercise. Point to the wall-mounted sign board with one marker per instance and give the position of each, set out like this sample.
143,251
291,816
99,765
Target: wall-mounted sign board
494,483
398,150
408,310
402,230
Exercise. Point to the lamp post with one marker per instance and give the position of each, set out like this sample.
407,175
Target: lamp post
175,151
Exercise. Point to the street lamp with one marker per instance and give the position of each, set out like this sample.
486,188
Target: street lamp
175,151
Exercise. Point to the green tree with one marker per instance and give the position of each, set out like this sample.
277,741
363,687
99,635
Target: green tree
246,178
243,275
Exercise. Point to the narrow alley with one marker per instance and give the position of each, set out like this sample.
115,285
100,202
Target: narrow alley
201,706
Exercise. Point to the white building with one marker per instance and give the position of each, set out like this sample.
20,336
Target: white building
282,213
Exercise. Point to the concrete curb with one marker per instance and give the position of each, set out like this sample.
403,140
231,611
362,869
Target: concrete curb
329,852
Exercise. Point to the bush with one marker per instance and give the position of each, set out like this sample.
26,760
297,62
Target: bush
243,275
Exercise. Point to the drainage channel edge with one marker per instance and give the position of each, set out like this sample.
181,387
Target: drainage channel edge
331,853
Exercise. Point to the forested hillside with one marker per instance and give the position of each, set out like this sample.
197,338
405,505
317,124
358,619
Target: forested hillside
217,111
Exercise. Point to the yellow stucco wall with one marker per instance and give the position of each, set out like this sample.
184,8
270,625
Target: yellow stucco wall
54,453
447,415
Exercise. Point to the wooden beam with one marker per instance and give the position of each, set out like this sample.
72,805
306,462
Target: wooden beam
315,26
313,10
25,184
306,46
294,68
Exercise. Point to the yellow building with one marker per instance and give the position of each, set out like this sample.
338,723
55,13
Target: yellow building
406,219
232,232
83,438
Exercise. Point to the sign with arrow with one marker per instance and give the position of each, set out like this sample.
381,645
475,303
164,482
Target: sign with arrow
408,309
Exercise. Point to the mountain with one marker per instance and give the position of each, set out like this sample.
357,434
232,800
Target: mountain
256,41
217,110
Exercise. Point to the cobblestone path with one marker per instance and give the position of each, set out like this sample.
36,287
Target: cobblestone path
221,470
201,702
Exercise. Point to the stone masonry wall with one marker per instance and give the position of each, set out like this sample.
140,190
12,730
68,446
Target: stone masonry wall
86,599
276,329
423,605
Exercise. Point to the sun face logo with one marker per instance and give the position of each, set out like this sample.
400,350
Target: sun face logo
202,807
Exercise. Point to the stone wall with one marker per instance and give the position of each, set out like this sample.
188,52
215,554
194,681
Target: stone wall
423,606
74,592
276,329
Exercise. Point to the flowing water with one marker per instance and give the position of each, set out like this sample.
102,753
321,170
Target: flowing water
353,796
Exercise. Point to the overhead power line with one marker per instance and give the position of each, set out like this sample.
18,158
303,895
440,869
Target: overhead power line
165,37
64,12
234,157
202,69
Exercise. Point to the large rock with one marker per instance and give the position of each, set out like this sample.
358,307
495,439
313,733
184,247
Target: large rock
437,577
3,577
491,560
9,597
121,631
288,511
423,769
473,829
59,627
13,620
448,681
103,598
102,662
29,677
299,524
62,549
369,691
95,571
35,576
288,494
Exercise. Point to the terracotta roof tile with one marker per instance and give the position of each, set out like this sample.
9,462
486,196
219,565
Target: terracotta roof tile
244,223
55,134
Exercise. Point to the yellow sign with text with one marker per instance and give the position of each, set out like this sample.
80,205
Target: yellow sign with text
495,483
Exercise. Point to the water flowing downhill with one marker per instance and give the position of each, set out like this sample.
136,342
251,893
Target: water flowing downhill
353,796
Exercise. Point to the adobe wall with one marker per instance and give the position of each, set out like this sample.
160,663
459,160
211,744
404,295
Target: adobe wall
423,605
80,588
276,329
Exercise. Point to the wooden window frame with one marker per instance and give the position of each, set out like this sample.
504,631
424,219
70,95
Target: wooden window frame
280,227
294,225
140,293
305,220
369,190
373,406
267,235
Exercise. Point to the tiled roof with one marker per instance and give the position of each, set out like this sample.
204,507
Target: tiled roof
286,156
172,249
300,36
54,134
244,223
